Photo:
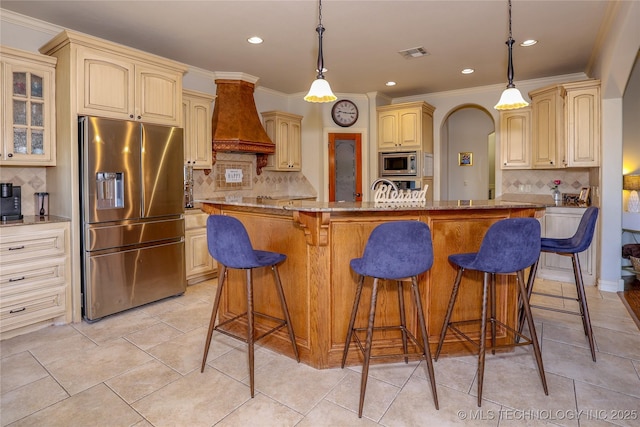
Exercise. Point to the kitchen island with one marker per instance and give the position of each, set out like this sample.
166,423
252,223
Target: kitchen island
321,238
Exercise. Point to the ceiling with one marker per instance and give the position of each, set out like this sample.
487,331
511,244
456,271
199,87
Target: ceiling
361,39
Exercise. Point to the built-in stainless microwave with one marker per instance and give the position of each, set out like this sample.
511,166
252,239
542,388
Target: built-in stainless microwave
398,163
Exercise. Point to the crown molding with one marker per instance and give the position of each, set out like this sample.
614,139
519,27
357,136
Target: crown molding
29,22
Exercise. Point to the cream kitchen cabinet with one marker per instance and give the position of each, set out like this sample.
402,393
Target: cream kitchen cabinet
196,107
28,109
115,81
548,128
562,222
583,121
35,276
515,138
407,126
566,123
199,264
285,130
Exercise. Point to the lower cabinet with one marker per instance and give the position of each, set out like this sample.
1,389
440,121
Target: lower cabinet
199,264
35,277
561,222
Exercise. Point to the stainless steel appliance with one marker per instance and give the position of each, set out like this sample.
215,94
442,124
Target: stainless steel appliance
10,202
132,214
398,163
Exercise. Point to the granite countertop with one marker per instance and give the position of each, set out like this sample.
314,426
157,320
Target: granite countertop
313,206
34,219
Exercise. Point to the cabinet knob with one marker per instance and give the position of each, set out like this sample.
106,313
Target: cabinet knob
131,116
139,117
10,155
551,162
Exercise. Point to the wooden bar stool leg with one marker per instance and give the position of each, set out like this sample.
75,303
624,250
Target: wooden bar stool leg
532,330
483,336
425,339
447,318
221,279
285,309
584,308
250,333
368,344
530,281
493,313
352,321
403,321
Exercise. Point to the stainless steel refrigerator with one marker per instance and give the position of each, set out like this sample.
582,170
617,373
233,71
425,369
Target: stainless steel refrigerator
132,214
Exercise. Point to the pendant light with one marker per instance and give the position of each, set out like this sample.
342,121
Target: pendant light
511,98
320,90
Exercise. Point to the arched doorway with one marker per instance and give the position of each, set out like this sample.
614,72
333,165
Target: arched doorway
467,161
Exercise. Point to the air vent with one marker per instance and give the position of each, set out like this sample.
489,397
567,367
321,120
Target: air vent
414,52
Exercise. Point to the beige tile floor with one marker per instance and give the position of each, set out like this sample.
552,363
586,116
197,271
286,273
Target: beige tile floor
141,368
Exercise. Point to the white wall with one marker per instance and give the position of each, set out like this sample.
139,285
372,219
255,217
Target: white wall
468,131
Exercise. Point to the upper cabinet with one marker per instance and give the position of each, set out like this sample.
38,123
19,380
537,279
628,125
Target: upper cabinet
515,138
547,129
119,82
285,130
28,108
583,115
406,126
563,129
197,129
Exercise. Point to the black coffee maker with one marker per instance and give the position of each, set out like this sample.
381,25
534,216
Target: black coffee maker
10,202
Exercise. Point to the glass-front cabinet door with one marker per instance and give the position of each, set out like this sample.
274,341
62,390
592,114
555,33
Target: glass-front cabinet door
28,104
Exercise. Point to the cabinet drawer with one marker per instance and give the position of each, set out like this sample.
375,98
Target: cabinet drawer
23,277
31,244
195,220
30,308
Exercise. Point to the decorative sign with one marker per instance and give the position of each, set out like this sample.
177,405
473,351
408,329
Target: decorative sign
387,196
233,175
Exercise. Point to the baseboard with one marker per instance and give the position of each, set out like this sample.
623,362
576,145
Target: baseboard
611,285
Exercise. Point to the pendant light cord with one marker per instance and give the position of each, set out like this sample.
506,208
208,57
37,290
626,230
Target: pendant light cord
320,30
510,42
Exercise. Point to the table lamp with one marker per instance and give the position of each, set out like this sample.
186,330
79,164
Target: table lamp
632,183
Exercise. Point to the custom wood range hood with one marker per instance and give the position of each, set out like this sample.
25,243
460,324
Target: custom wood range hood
236,126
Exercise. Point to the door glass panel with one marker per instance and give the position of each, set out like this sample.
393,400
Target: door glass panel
345,178
37,142
19,112
36,114
20,84
36,86
19,141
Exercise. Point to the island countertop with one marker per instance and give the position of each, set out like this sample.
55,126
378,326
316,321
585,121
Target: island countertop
305,205
319,240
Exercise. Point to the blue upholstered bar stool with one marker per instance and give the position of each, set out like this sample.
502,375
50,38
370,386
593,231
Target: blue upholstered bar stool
571,246
509,246
394,251
229,244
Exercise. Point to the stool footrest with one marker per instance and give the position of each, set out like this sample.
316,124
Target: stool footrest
557,310
411,337
281,323
454,328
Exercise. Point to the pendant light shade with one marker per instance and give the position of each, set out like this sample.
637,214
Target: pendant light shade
320,90
511,98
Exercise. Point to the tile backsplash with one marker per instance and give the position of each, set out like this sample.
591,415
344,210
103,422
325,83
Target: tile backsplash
540,181
268,183
30,179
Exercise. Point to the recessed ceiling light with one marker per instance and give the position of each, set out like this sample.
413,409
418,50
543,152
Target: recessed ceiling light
390,83
254,40
468,71
529,42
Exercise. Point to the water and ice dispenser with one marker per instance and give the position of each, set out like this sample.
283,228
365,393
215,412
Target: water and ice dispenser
109,190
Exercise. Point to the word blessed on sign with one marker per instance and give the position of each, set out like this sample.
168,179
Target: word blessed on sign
386,195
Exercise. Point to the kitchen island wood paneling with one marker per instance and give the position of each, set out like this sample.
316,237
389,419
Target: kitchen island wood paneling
320,239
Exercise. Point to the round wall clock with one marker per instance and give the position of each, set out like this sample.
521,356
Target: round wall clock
344,113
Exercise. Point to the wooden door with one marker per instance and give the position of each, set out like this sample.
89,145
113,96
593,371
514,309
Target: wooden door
345,167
